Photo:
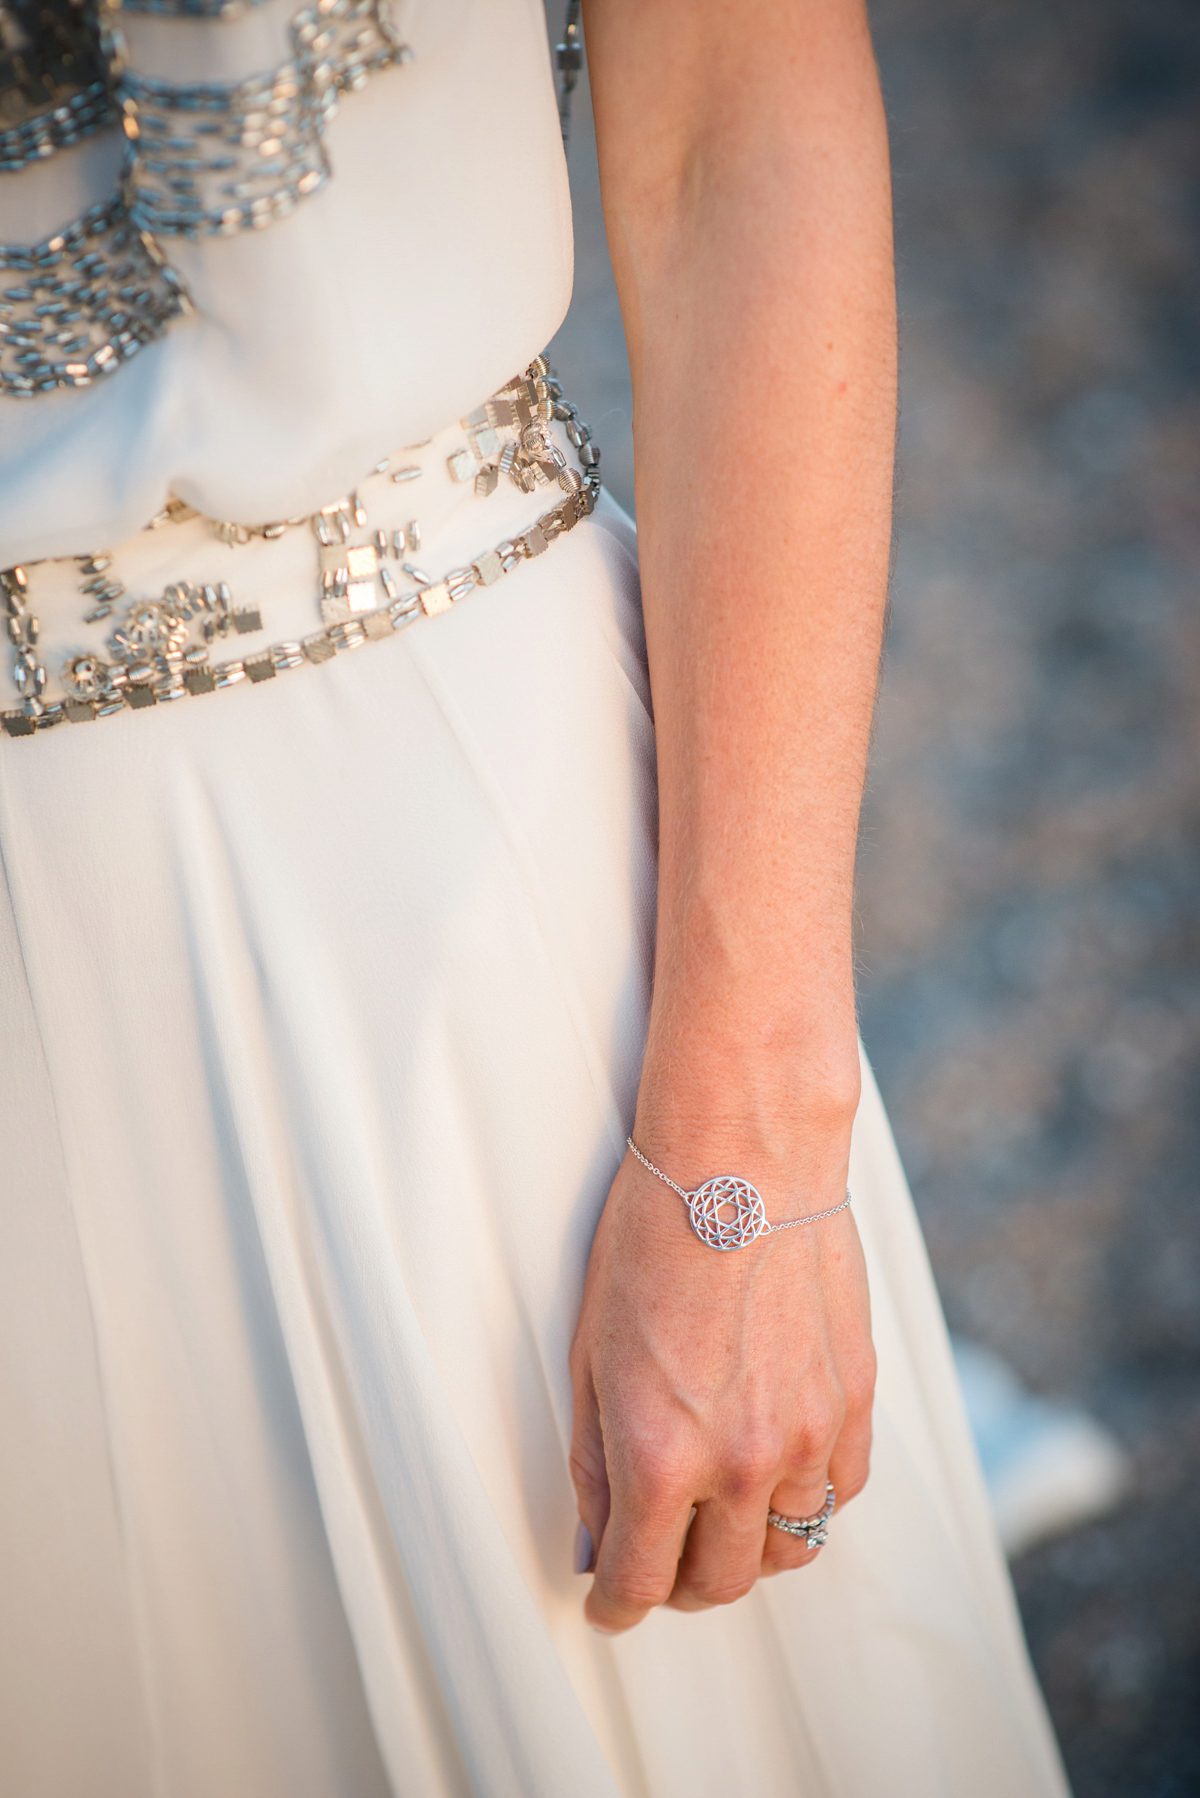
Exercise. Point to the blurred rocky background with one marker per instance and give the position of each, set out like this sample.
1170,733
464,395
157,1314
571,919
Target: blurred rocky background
1030,868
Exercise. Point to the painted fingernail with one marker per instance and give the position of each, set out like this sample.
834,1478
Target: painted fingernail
585,1554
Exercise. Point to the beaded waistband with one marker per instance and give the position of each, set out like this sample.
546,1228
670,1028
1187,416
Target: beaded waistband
367,583
202,159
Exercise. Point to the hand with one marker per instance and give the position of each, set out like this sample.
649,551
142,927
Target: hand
731,1383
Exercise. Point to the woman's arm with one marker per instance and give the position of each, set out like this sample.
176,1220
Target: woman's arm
743,161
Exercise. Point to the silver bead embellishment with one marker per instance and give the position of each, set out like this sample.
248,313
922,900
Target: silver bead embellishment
201,159
157,661
84,302
54,81
151,628
213,159
29,675
86,676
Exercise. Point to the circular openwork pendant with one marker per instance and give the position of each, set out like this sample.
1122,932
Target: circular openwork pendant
727,1213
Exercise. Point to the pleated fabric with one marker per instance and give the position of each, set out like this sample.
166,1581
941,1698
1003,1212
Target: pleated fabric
323,1008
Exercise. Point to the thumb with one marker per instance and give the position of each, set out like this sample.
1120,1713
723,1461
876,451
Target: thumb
589,1474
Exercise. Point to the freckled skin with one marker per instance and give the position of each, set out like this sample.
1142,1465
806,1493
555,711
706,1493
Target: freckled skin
744,172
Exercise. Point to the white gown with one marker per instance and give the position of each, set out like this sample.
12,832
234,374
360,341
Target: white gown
321,1013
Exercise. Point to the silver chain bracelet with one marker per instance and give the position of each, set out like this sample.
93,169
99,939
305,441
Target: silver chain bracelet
728,1213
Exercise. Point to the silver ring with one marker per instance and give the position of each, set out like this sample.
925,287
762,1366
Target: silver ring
814,1530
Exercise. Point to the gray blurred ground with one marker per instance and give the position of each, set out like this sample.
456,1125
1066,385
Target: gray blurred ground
1030,868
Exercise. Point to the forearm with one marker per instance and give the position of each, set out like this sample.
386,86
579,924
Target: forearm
746,195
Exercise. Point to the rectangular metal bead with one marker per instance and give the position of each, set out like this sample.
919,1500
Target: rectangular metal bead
489,567
463,465
436,599
17,724
80,711
377,625
362,561
199,680
137,697
260,668
250,619
361,596
535,540
486,481
319,648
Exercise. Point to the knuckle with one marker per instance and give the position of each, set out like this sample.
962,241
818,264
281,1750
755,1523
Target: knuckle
860,1383
753,1463
634,1591
726,1589
658,1463
654,1474
816,1431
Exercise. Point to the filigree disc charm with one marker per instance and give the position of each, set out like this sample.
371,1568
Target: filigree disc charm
727,1213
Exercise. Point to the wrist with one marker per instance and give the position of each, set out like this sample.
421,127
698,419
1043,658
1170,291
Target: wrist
720,1105
752,1049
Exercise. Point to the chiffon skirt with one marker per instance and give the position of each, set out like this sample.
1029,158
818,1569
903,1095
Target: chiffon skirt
322,1006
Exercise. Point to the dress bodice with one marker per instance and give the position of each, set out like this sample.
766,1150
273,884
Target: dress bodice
416,251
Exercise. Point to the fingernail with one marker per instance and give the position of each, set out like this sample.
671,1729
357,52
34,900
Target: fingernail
585,1554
